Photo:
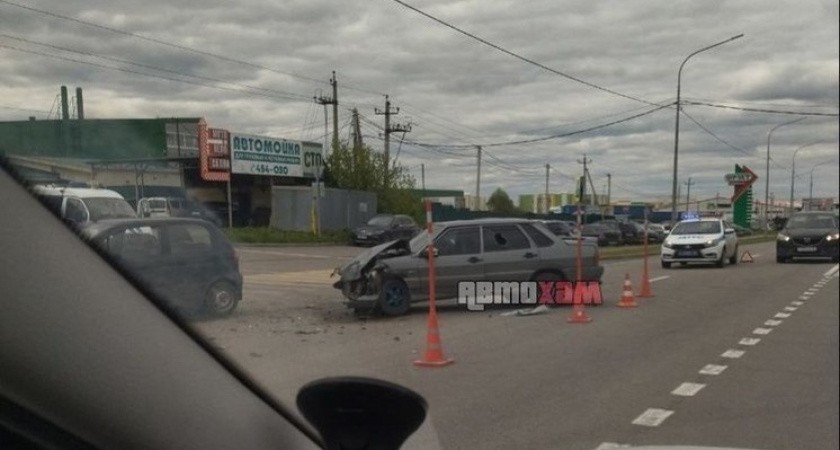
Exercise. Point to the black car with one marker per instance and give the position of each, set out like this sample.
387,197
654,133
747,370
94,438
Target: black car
561,227
384,228
605,234
810,234
189,263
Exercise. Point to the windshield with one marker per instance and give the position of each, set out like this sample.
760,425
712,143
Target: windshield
807,221
381,221
706,227
108,208
283,158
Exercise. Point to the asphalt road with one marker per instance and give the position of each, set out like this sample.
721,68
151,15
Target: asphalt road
745,356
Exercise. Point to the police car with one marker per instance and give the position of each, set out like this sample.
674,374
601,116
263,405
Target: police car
696,240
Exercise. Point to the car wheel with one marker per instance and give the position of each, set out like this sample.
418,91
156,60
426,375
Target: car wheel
734,258
220,299
722,261
394,298
666,265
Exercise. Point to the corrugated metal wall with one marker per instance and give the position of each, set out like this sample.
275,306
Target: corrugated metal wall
291,208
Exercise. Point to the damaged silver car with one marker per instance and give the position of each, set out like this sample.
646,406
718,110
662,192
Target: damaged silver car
390,277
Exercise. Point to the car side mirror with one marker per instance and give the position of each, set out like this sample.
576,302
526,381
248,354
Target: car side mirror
425,252
729,231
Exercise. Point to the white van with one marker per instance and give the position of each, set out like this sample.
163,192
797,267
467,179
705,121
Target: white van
85,205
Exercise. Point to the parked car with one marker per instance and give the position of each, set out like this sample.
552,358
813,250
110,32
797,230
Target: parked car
385,228
189,263
700,241
811,234
629,232
82,206
605,234
656,232
561,228
392,276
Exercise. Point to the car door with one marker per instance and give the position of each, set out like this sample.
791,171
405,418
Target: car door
731,238
193,262
508,254
139,250
406,227
458,259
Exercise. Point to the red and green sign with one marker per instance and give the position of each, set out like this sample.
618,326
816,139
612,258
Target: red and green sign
742,179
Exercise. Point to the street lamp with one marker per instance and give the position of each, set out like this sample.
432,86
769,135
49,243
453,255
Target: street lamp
677,128
811,188
767,168
793,174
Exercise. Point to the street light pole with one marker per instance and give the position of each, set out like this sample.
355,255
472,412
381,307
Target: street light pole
675,183
767,168
793,174
811,187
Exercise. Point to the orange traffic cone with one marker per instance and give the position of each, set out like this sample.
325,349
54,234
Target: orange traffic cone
627,299
579,312
434,349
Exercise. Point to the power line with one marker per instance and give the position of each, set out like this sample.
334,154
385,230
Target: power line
835,105
716,137
759,110
121,69
160,69
158,41
548,138
522,58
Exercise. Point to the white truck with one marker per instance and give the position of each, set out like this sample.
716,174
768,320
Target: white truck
84,205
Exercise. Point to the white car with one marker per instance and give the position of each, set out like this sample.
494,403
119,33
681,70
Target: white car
700,241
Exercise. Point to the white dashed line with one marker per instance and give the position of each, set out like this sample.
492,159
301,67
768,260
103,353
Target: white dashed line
782,315
832,271
762,331
688,389
652,417
664,277
797,303
807,293
790,308
712,369
813,290
804,297
773,323
749,341
733,354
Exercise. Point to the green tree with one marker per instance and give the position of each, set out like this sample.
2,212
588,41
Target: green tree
500,201
363,169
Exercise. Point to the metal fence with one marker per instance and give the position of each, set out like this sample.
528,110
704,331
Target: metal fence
291,208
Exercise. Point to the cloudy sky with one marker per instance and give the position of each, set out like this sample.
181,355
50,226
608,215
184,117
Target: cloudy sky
256,65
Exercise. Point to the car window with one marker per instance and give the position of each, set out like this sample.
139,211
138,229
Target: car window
75,211
499,238
459,241
537,236
704,227
811,221
134,244
189,238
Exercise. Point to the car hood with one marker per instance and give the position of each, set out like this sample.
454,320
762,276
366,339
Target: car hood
353,269
803,232
692,238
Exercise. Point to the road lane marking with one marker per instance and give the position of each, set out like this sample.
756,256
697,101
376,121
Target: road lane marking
611,446
749,341
688,389
712,369
663,277
763,331
652,417
733,354
773,323
782,315
790,308
307,277
797,303
832,271
802,297
813,290
807,293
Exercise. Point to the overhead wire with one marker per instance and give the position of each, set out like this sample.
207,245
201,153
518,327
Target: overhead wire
761,110
520,57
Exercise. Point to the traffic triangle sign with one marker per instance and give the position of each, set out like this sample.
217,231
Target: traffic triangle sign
746,257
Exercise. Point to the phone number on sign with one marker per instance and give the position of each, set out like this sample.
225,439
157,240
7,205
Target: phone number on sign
269,169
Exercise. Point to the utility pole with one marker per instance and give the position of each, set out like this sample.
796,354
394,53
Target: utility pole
423,178
688,193
609,190
585,177
397,128
334,103
357,132
477,201
547,169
